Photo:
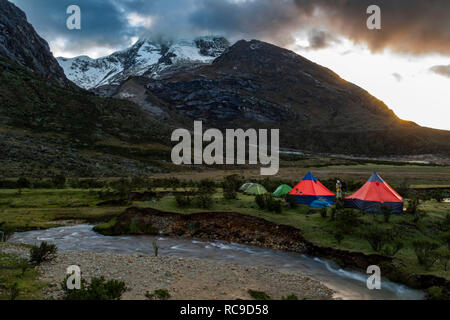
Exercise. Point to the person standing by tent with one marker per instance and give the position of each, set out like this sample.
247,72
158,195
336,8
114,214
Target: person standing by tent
338,189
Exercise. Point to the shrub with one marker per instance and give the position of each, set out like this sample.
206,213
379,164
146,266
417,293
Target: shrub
203,200
207,186
158,294
258,295
292,201
438,195
444,257
290,297
44,252
387,212
266,201
183,199
233,182
376,237
347,220
122,187
339,236
229,190
261,203
445,237
425,252
98,289
323,212
14,291
23,183
59,181
435,293
413,205
391,249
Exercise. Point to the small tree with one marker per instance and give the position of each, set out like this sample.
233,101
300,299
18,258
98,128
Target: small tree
376,237
260,201
413,205
44,252
339,236
203,199
425,252
387,212
444,257
59,181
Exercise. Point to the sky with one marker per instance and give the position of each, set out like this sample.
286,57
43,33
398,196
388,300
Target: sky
406,63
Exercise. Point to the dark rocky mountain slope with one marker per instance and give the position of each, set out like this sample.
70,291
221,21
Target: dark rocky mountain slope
20,43
259,85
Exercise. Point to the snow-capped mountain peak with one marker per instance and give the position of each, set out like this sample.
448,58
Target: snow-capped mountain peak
146,57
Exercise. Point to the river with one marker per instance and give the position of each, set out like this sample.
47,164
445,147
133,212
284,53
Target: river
348,284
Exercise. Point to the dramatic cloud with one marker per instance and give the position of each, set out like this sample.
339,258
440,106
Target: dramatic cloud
441,70
408,26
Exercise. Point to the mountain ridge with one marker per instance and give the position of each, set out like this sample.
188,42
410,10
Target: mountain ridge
33,52
145,57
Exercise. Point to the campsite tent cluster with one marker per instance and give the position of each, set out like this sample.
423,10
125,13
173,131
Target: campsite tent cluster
372,196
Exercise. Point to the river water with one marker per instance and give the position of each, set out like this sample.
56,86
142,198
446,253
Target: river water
348,284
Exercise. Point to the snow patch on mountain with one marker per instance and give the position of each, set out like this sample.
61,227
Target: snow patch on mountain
145,57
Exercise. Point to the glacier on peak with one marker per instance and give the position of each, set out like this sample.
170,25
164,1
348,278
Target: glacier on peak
145,57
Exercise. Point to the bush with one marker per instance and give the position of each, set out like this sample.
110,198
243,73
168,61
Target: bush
44,252
14,291
290,297
376,237
207,186
444,257
203,199
98,289
183,200
413,205
260,201
391,249
323,212
23,183
158,294
425,252
347,220
435,293
59,181
387,212
339,236
266,201
292,201
438,195
258,295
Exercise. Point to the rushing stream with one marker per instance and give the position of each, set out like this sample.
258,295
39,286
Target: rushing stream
347,284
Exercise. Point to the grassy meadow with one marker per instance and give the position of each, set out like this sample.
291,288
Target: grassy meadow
78,201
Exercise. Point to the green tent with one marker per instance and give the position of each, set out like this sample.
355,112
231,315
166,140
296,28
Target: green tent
255,189
282,190
245,186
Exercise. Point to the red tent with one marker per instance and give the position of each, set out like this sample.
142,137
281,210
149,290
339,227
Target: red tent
373,195
310,189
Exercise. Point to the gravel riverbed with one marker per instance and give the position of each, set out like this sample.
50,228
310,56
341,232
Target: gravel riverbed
184,278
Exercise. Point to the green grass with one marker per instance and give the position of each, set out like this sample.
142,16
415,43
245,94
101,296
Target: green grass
48,208
13,271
